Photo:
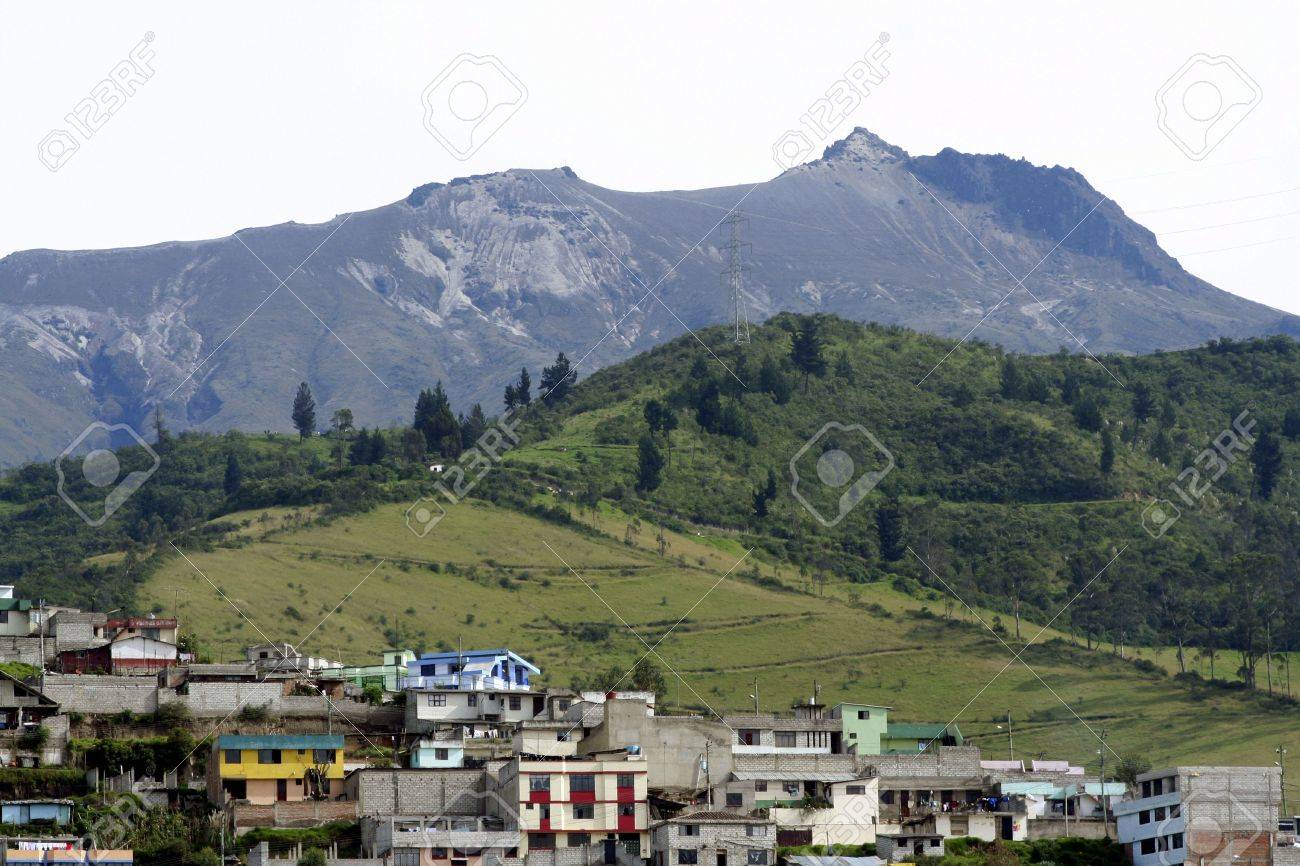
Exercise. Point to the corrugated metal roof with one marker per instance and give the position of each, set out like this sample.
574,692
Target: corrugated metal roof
786,776
280,741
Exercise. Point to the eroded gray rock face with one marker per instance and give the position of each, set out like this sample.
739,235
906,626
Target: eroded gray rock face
470,280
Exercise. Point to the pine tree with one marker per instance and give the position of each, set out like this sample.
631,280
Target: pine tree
889,530
433,418
359,453
523,392
1012,379
806,351
557,379
161,434
650,464
511,398
1107,451
1144,402
771,380
1266,457
378,448
1087,414
1291,423
1161,448
304,411
473,426
234,475
1070,386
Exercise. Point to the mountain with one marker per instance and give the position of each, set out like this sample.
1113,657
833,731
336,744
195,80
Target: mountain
470,280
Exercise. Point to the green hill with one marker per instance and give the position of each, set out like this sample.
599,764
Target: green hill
995,496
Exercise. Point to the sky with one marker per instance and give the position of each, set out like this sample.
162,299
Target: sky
231,115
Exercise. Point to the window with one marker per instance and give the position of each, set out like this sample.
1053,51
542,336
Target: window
561,736
688,829
855,789
322,756
542,841
232,756
565,703
1144,817
268,756
539,783
747,737
687,857
626,780
760,787
864,714
791,788
755,830
1175,810
406,857
627,810
757,857
515,702
582,782
435,700
735,799
584,811
4,616
472,700
1175,841
785,739
438,853
1148,846
887,798
577,840
441,754
1159,813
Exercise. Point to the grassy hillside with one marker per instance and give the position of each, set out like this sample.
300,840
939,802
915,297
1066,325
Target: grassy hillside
998,497
486,576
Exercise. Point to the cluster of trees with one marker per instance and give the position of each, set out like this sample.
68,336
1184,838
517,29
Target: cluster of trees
557,381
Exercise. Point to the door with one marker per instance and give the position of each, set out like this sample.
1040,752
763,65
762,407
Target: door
611,851
904,800
1006,827
281,790
722,858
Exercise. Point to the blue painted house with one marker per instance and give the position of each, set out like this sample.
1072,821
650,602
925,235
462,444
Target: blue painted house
471,670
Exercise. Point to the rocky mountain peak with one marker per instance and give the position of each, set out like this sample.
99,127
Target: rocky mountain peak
863,145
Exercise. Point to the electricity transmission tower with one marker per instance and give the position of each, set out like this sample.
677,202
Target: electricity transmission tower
733,276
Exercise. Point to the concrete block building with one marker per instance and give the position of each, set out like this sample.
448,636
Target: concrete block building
709,838
275,768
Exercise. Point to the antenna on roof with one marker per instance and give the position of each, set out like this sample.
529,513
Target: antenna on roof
734,275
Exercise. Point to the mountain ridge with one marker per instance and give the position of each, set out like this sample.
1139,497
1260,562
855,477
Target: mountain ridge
468,280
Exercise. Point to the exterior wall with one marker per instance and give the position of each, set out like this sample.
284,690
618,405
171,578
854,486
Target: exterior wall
769,733
1201,814
893,849
850,820
307,813
547,742
217,698
102,695
1055,828
426,708
547,801
15,623
680,751
863,726
943,761
743,843
23,649
262,781
438,755
418,792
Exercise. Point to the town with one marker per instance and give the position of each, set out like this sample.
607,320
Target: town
465,758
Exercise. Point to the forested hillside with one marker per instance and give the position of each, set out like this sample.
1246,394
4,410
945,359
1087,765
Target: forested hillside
1022,484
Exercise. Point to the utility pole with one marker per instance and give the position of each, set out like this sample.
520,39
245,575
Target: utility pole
1281,763
734,277
1105,804
41,635
756,696
1011,742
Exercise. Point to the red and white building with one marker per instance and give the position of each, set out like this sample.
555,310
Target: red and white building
596,802
126,655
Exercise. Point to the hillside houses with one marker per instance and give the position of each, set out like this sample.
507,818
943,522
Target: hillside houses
473,761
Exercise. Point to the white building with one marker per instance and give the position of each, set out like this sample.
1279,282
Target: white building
1201,815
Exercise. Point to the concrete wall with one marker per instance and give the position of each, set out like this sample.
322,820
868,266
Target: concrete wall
1055,828
943,761
674,746
417,792
102,695
22,649
667,839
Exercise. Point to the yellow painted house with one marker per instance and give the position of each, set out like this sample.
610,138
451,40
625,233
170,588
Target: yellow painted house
275,768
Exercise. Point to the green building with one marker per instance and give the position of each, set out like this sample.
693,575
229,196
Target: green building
388,676
866,730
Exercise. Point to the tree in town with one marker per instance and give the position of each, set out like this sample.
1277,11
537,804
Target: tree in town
304,411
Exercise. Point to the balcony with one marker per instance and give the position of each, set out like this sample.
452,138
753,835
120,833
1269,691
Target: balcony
467,833
465,682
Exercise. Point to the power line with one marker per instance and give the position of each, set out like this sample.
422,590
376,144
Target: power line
1218,201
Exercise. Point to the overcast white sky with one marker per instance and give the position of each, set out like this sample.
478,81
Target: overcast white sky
260,113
